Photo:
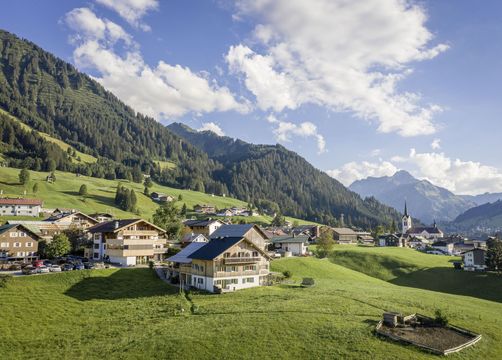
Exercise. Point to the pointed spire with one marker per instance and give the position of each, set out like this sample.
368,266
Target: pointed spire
405,209
435,225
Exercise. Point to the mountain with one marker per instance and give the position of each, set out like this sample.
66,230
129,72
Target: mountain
274,173
483,198
486,218
60,118
425,201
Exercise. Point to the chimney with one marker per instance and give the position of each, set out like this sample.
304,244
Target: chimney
116,224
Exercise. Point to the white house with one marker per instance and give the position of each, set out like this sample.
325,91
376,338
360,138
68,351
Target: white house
297,245
20,207
444,247
475,259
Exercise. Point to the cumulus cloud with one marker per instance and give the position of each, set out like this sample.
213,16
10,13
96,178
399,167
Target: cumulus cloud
163,91
456,175
132,10
284,130
353,171
346,56
211,126
436,144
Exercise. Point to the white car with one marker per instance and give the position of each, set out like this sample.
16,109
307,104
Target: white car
55,268
43,270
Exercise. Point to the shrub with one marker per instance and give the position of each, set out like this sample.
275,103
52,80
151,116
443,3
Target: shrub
287,274
307,282
441,319
151,264
4,279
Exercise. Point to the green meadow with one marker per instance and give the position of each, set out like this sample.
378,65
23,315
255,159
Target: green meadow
101,194
130,314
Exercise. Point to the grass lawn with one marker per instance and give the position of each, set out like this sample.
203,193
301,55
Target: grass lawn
129,314
101,194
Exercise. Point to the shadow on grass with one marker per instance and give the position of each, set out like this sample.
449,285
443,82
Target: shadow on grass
487,286
121,284
10,183
97,198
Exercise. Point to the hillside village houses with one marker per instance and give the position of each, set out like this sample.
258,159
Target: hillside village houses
204,227
296,245
20,207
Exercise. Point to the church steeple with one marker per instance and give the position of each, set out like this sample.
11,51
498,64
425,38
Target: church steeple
406,223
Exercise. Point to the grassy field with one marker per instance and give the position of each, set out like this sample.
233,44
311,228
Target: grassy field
83,157
129,314
101,194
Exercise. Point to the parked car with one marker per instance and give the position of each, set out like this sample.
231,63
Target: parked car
29,270
43,269
37,263
55,268
67,267
79,266
89,265
47,263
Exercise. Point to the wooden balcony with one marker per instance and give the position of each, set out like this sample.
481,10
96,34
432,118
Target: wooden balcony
240,260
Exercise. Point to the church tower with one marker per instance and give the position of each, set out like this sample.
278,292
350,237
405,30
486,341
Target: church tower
406,221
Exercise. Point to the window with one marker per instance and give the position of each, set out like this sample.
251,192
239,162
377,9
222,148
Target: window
97,236
96,255
17,244
96,246
22,234
29,244
4,245
249,267
227,254
200,280
13,234
255,253
248,280
20,254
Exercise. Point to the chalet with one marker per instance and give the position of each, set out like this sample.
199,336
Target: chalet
443,246
205,209
76,220
20,207
17,242
127,242
418,243
313,231
250,232
193,238
204,227
161,197
225,213
365,238
225,264
390,240
475,260
59,211
297,245
345,236
102,217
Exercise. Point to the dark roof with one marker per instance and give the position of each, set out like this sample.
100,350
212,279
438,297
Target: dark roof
200,222
183,257
214,248
440,243
109,226
66,214
238,230
290,239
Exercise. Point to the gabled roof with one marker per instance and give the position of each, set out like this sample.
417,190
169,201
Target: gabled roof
7,227
290,239
344,231
62,216
215,247
117,225
188,238
182,256
421,229
238,230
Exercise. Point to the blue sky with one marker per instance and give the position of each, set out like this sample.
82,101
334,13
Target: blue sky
358,90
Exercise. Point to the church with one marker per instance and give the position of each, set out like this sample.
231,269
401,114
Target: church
432,232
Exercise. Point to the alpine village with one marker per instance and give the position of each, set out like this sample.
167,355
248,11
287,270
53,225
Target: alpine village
126,237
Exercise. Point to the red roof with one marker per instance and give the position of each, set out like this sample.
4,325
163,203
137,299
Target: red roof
9,201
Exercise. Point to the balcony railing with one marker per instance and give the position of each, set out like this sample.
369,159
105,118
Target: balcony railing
241,260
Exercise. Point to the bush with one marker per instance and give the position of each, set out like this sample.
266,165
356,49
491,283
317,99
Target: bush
307,282
440,319
4,279
287,274
151,264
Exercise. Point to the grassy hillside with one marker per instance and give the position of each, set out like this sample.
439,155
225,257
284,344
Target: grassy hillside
128,313
407,267
101,194
86,158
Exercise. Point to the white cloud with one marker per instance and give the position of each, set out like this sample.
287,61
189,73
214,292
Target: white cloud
458,176
163,91
284,130
132,10
353,171
436,144
375,152
341,55
211,126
